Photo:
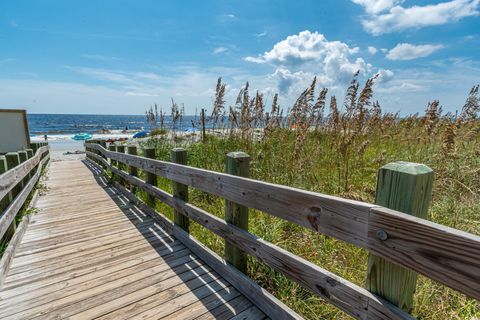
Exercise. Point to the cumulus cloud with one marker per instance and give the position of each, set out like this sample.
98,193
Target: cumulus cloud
372,50
386,16
384,75
407,51
331,61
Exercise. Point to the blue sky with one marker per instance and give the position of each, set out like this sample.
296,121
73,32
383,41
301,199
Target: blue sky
119,57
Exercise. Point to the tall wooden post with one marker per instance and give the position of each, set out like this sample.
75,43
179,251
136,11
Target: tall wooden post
113,163
131,169
8,197
30,155
202,119
238,164
3,168
180,191
92,150
121,166
35,146
113,148
22,156
150,178
12,160
405,187
5,202
103,143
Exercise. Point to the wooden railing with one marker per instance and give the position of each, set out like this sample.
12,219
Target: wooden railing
446,255
20,172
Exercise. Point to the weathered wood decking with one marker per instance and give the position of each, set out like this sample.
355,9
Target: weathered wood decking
90,253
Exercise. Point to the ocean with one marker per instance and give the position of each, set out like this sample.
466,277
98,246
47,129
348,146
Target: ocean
64,126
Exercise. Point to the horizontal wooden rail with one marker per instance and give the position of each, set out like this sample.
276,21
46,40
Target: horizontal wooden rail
9,179
444,254
347,296
14,207
340,218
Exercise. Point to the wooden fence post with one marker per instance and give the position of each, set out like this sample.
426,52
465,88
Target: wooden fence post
113,163
6,201
405,187
150,178
8,197
96,152
29,155
23,156
34,146
202,120
12,160
121,166
238,164
133,171
180,191
104,145
93,150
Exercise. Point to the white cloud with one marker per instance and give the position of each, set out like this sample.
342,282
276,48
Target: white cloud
219,50
384,75
331,61
407,51
254,59
261,34
13,24
377,6
399,18
372,50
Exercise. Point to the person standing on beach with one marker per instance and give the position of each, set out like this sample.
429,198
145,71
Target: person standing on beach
45,137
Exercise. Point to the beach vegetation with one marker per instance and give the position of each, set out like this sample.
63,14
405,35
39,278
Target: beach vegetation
337,149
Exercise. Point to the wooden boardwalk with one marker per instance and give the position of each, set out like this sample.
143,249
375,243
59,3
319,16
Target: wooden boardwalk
90,253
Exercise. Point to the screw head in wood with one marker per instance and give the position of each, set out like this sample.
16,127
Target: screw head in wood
382,235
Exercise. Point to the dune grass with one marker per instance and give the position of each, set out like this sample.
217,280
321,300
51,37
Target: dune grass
339,154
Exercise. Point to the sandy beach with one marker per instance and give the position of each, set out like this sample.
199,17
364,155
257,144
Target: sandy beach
61,150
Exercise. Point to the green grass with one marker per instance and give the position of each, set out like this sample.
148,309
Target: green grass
322,167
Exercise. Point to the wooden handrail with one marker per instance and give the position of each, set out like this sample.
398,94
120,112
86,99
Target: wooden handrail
444,254
9,179
14,207
340,218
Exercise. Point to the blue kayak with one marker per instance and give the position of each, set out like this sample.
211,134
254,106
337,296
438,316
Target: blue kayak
141,134
82,136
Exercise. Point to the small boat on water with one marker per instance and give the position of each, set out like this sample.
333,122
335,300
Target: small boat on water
82,136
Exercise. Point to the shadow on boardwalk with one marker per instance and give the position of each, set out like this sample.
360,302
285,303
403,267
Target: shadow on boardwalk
190,289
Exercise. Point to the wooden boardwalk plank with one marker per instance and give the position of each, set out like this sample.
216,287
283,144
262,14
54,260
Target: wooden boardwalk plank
90,253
